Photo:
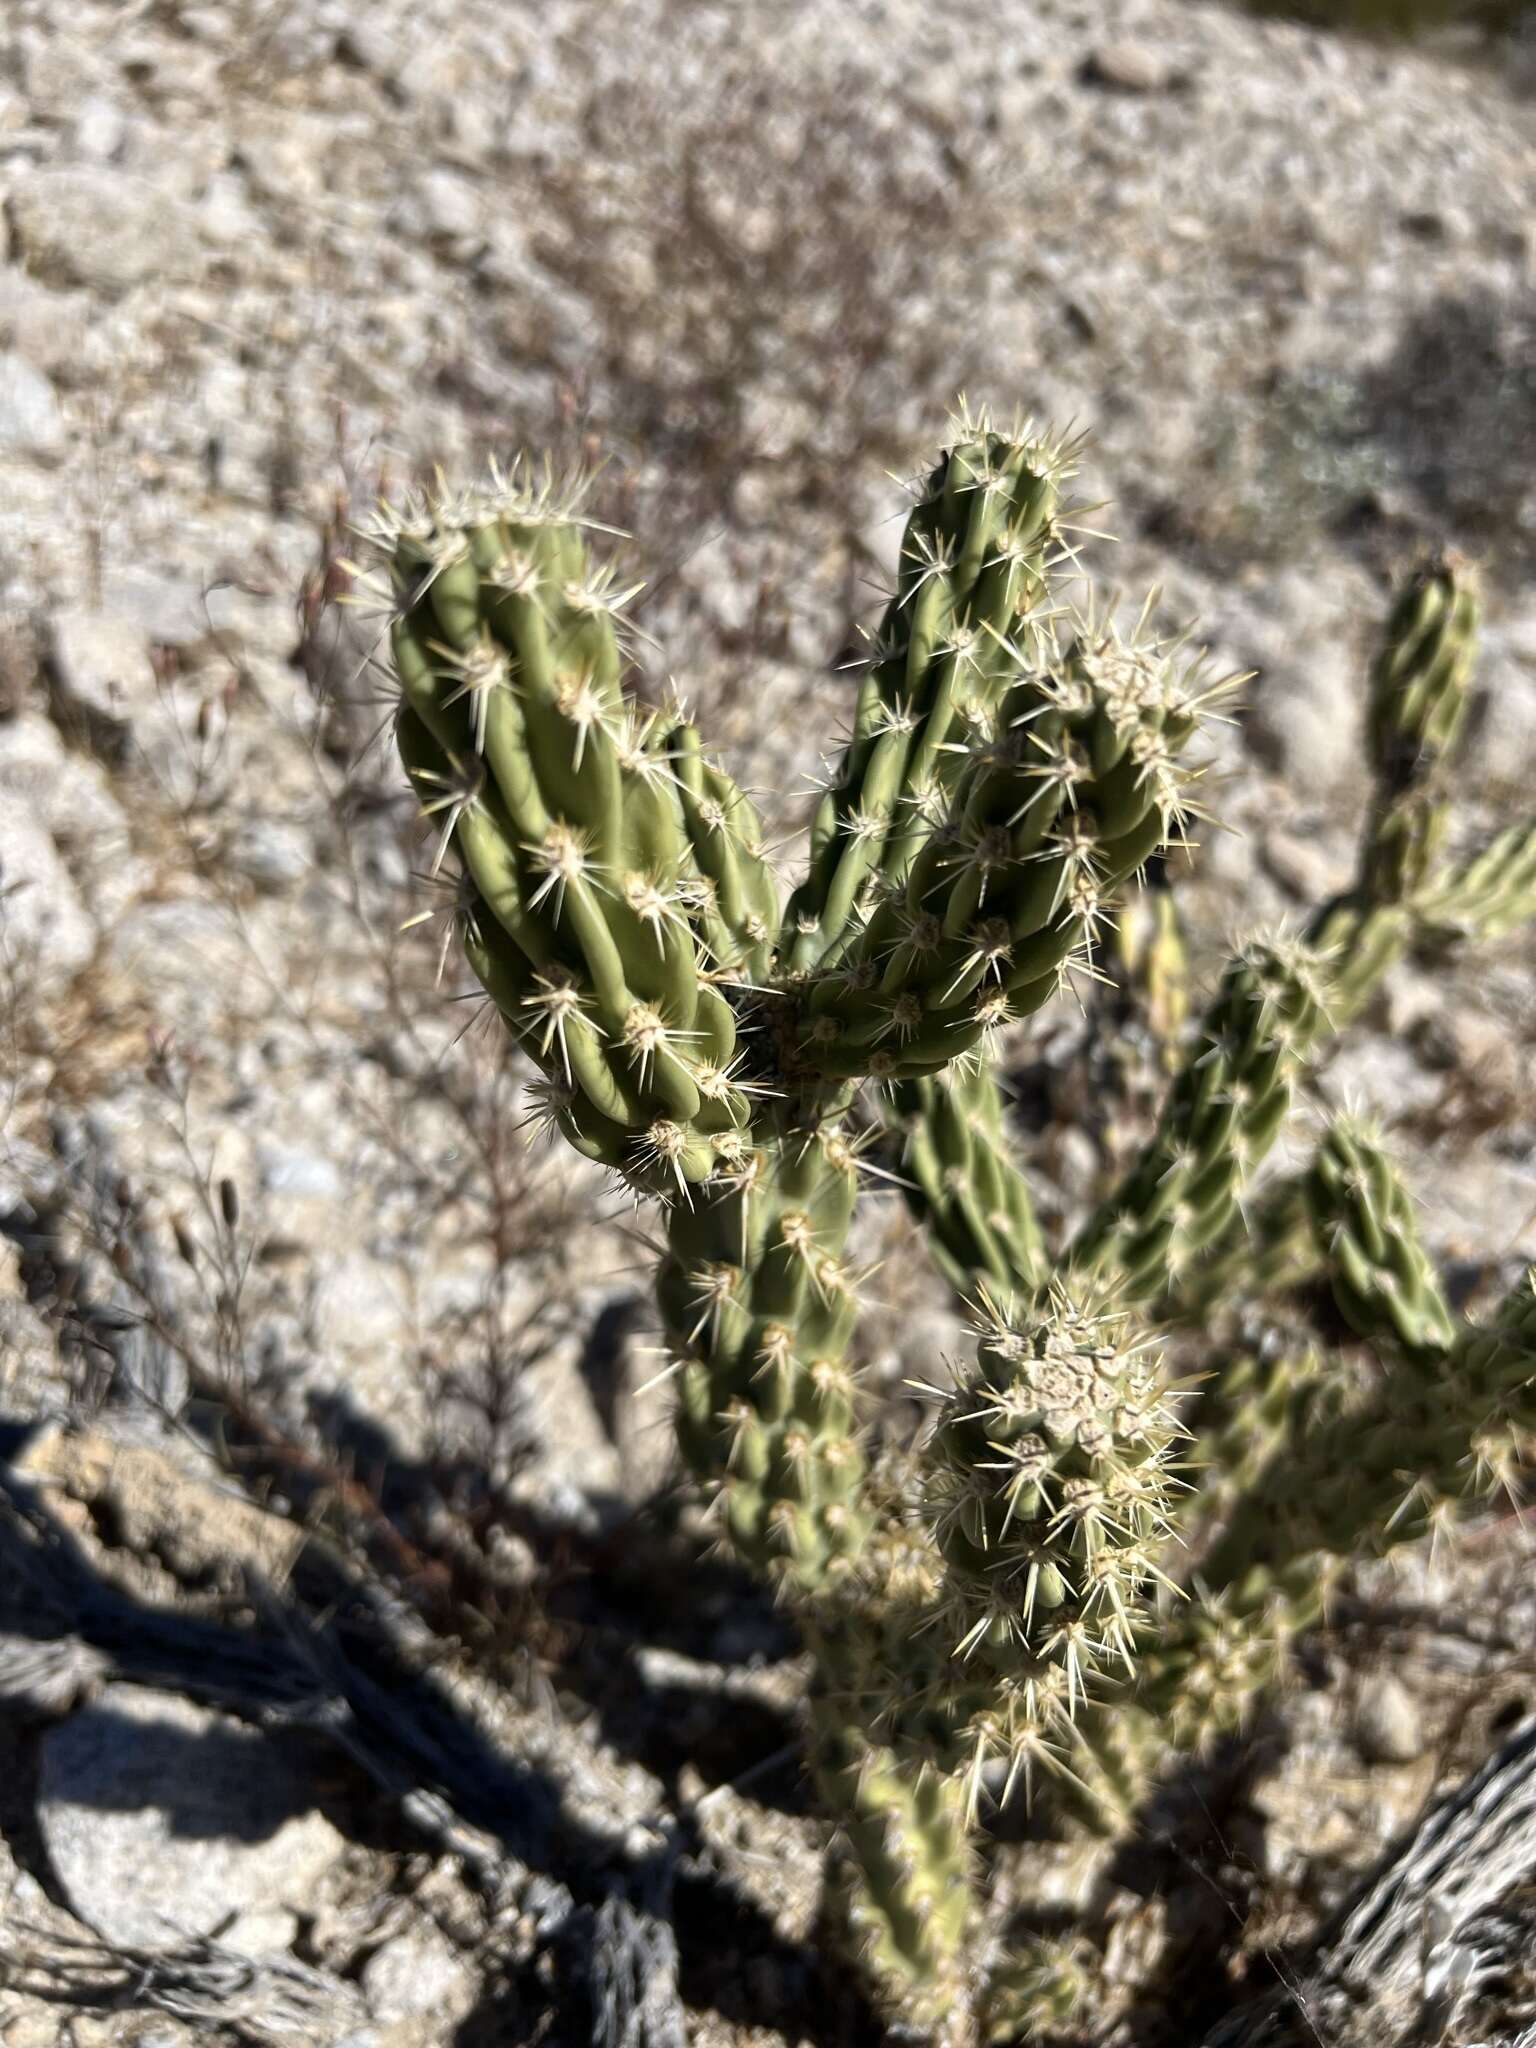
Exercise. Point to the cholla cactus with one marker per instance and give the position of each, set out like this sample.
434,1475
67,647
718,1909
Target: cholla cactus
1050,1489
1006,1597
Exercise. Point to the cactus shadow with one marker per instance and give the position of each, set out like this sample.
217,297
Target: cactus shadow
639,1626
319,1669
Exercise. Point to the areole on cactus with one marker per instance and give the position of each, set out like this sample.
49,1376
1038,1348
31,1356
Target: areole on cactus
997,1599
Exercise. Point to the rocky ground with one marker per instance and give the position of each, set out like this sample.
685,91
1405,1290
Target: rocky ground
297,1337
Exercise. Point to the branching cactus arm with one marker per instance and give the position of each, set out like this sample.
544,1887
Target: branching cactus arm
974,560
962,1182
568,826
1011,767
759,1306
1080,783
1362,1219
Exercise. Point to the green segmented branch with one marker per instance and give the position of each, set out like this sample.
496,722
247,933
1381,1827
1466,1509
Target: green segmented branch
736,903
1079,784
567,823
1489,895
972,570
1416,710
759,1305
1152,962
1292,1489
1224,1111
1390,1468
1048,1487
1362,1218
905,1873
962,1183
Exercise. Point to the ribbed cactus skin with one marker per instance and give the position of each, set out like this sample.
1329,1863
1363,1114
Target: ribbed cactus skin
971,571
1079,784
1152,962
962,1183
1418,686
1049,1487
1039,1987
1489,895
1224,1111
1416,710
567,821
1004,1591
1362,1217
759,1304
904,1876
735,902
1386,1469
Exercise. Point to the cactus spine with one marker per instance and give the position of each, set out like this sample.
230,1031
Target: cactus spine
999,1595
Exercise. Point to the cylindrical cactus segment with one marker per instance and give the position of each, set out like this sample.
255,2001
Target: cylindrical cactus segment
736,910
759,1305
904,1882
973,564
1036,1988
1223,1113
1078,785
1418,706
1049,1484
1488,895
1152,963
1388,1466
1362,1217
1418,690
962,1184
580,893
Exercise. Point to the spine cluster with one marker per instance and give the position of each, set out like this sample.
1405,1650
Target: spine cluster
1081,1565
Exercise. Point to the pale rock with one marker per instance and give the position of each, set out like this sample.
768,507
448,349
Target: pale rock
46,933
266,1931
287,1170
29,1361
100,673
1307,701
162,1819
358,1304
1306,866
98,228
442,206
70,797
99,129
418,1971
1388,1726
191,963
30,421
172,610
370,46
41,325
272,854
1129,67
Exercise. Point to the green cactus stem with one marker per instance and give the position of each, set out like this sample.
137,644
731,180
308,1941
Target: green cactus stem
1049,1486
962,1183
904,1874
759,1304
1079,784
1224,1111
972,571
1362,1218
1488,896
561,805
